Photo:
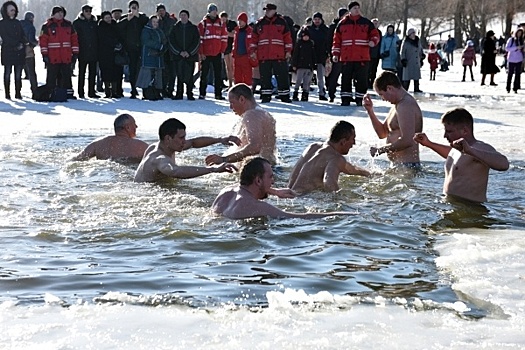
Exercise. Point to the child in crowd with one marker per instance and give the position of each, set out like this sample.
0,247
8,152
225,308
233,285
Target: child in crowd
433,59
442,55
303,63
468,58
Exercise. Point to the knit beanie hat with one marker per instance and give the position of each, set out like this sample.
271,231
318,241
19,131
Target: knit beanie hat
212,7
318,15
186,12
352,4
341,12
243,17
160,6
56,9
29,15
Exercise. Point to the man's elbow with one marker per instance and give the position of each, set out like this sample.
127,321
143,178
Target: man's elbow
503,165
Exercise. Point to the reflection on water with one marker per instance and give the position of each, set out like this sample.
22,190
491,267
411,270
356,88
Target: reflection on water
80,230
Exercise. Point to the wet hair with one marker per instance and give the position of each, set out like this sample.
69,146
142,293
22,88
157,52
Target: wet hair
121,121
386,78
242,89
252,169
170,127
458,116
341,130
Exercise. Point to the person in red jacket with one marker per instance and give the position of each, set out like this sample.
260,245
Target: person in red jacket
58,44
353,38
214,40
272,45
433,59
242,38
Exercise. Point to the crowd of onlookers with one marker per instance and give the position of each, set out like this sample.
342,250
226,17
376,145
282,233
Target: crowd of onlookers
160,53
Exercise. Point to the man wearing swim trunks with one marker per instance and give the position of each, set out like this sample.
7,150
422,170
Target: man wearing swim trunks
321,163
402,122
159,159
245,200
467,160
257,129
122,145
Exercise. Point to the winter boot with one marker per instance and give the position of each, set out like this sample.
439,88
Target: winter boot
18,88
304,96
107,90
7,88
295,96
416,86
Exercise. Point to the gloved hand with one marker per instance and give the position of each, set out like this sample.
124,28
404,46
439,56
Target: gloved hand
404,62
45,59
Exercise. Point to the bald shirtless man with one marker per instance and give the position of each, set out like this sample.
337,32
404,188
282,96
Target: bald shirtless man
121,146
467,160
321,163
403,121
245,200
257,129
159,159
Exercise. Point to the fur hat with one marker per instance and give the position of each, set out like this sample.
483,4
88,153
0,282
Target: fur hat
243,17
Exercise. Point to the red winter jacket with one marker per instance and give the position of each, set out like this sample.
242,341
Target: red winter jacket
248,40
351,38
214,36
271,38
433,59
58,41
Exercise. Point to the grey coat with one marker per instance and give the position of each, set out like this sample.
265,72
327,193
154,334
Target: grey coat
412,52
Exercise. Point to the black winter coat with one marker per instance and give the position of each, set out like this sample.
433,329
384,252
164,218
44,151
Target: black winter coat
320,37
304,54
13,40
130,31
87,38
184,38
108,40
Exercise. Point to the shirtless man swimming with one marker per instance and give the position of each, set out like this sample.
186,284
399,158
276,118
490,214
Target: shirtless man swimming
467,160
159,159
122,145
245,200
257,129
403,121
321,163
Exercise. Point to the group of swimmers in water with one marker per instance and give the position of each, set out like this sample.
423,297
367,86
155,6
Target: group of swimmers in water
467,164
